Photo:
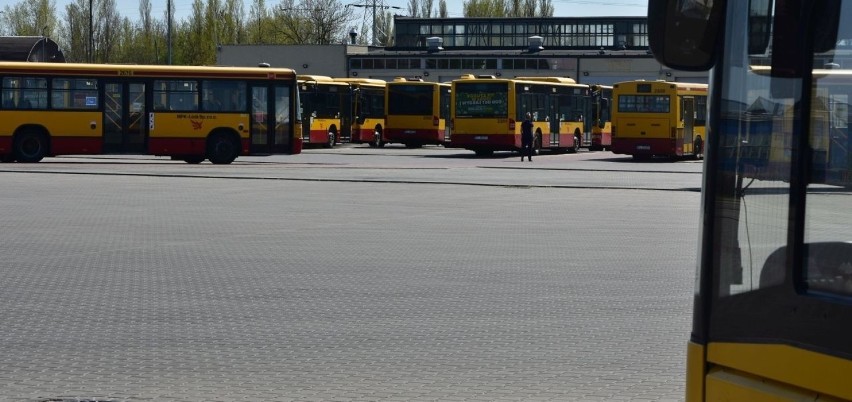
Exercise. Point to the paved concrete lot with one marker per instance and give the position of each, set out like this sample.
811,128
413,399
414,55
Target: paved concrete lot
347,274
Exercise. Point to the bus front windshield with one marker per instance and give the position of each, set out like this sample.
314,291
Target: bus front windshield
482,99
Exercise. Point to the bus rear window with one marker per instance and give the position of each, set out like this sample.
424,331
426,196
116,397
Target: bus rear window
482,99
644,103
410,100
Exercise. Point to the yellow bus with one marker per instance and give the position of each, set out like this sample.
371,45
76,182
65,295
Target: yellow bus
367,110
188,113
659,118
324,104
486,113
417,112
601,125
772,316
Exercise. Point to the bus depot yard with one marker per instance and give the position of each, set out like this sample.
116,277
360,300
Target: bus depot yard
351,273
54,109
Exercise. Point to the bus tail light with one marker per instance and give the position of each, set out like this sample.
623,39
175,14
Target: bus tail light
511,124
435,121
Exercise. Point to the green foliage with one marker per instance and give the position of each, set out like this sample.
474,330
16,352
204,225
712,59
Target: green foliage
116,39
508,8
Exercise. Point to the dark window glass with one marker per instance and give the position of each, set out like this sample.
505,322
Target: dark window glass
410,99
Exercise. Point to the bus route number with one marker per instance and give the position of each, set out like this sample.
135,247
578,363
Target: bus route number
125,73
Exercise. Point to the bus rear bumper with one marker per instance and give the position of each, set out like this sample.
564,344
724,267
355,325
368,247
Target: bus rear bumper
415,136
316,137
489,142
646,146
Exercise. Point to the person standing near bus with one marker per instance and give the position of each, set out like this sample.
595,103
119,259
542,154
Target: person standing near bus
527,137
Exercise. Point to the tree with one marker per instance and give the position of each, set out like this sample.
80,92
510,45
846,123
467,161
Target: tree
413,8
385,25
319,22
545,8
442,9
31,18
426,8
528,9
258,21
485,8
515,8
74,32
107,25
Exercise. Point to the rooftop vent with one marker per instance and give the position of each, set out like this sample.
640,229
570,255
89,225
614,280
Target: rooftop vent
434,44
535,43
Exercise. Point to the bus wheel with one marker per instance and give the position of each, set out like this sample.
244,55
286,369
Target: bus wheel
30,146
331,140
222,149
577,142
698,148
378,138
193,160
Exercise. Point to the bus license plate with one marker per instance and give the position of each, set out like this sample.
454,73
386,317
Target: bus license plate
643,147
410,132
481,138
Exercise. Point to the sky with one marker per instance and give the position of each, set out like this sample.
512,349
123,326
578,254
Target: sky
564,8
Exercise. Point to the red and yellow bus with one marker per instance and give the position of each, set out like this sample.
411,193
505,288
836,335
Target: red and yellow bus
188,113
367,108
486,113
324,104
601,124
417,112
659,118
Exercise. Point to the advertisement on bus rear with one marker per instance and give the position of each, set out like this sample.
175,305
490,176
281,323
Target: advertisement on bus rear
482,100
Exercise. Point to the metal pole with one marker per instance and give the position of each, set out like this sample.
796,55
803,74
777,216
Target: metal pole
44,44
90,52
375,43
169,30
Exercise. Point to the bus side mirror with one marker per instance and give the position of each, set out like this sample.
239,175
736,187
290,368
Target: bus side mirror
792,48
683,34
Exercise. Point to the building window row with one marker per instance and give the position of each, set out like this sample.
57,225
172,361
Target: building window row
593,34
450,64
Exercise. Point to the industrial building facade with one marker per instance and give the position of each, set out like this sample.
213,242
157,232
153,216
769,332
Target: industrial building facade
601,50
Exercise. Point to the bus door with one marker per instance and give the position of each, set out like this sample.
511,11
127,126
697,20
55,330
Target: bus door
309,99
444,104
688,122
347,104
125,128
552,118
271,122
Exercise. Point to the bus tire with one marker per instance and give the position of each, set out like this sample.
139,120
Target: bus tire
377,137
332,139
30,146
222,148
578,140
193,160
698,148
